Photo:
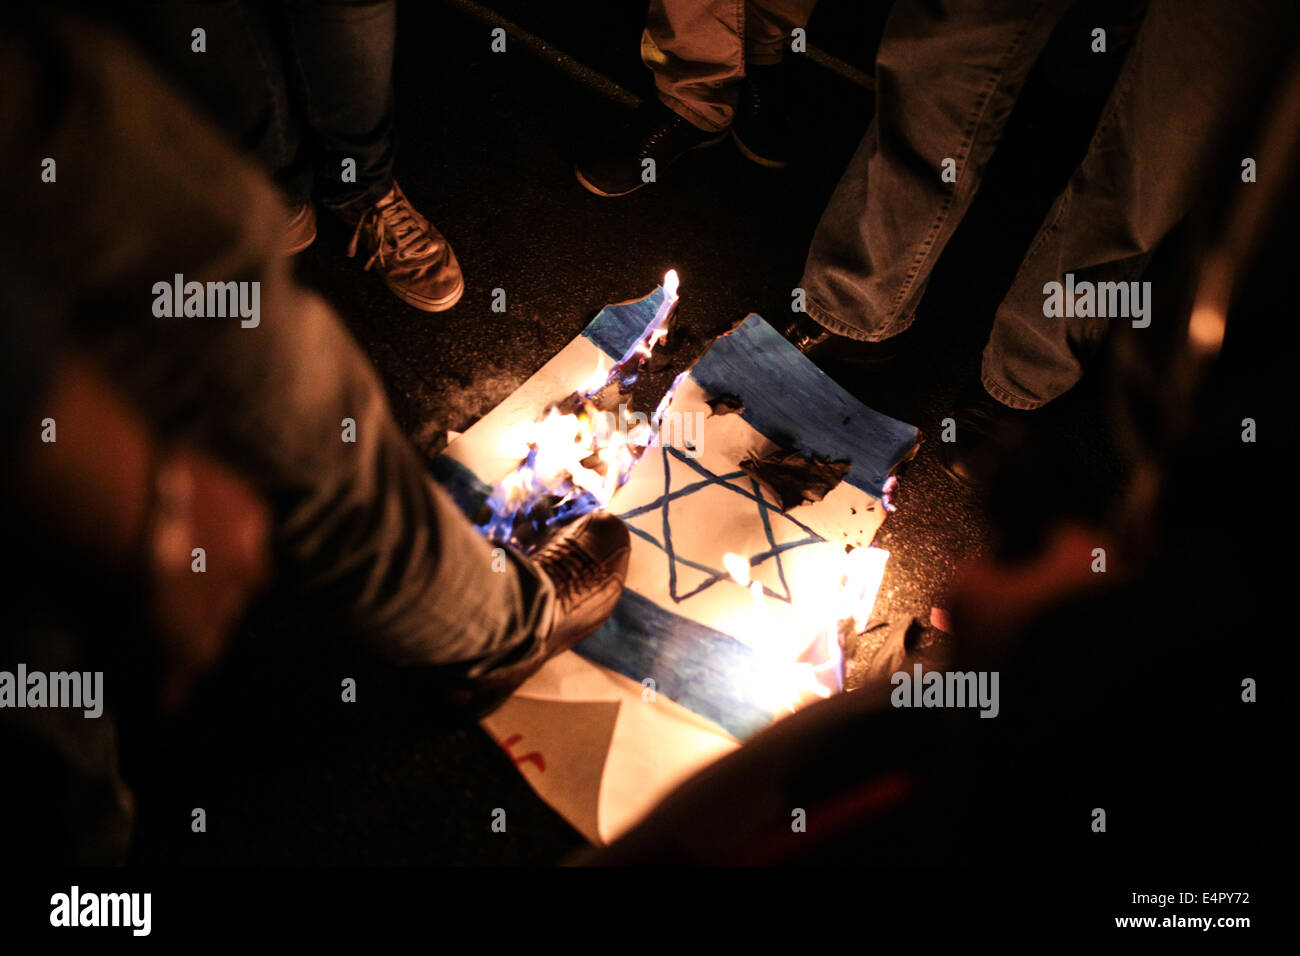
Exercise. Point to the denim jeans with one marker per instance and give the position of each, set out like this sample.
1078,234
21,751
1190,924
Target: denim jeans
303,85
698,51
947,76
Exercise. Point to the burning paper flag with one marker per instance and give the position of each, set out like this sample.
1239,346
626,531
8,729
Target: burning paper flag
736,601
579,454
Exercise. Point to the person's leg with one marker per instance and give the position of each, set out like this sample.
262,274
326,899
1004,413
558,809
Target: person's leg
699,52
761,126
362,531
340,57
238,79
696,52
1191,74
947,77
768,28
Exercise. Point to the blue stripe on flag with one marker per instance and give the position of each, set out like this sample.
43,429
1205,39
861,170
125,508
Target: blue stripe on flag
795,404
702,669
616,327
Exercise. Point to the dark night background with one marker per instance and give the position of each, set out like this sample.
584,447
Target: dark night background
289,774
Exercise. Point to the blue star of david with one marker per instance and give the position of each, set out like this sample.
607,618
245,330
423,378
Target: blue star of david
753,493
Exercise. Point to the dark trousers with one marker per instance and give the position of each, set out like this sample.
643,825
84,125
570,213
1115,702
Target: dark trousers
305,86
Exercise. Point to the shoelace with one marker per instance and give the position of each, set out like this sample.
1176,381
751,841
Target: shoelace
393,222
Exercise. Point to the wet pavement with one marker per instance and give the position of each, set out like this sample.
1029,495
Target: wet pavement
485,149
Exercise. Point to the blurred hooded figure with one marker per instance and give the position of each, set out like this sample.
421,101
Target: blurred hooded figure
162,467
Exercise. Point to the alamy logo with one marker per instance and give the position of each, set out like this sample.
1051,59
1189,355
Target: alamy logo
946,689
680,430
75,908
1100,300
211,300
74,689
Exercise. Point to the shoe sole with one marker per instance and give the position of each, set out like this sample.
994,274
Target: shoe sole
596,190
425,304
753,157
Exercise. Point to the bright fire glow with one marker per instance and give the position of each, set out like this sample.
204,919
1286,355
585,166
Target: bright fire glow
737,567
670,284
576,458
863,572
597,379
792,668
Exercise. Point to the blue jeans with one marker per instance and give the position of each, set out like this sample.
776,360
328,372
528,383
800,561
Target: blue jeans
947,76
302,85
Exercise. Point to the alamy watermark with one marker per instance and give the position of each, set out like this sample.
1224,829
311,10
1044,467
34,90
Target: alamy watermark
1100,300
946,689
75,908
680,430
210,300
72,689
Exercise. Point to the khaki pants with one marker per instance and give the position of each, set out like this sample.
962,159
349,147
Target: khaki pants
698,50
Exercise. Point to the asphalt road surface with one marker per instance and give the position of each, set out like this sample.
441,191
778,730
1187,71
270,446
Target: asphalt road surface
485,148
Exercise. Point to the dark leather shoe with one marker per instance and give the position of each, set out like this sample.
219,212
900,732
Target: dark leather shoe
986,431
586,563
822,345
761,128
615,167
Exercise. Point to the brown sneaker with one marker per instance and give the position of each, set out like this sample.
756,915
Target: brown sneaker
300,230
414,258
